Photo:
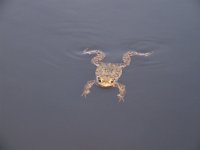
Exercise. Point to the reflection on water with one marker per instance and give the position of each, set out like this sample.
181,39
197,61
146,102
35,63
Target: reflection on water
43,73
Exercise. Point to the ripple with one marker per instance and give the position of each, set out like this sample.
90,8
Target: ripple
75,54
159,47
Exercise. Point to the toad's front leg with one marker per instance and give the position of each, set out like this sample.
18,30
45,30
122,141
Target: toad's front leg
96,59
87,87
122,91
126,59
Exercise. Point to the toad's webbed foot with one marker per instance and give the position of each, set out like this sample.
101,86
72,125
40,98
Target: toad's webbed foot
98,58
122,92
126,59
87,87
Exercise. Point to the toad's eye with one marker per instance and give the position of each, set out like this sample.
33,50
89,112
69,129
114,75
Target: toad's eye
99,79
111,81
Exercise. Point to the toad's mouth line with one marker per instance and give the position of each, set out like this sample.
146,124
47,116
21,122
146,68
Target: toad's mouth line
105,85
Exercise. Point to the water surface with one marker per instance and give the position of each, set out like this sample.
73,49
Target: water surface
42,73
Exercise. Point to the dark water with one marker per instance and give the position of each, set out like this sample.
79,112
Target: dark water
42,73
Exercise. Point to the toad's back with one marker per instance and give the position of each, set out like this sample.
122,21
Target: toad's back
109,69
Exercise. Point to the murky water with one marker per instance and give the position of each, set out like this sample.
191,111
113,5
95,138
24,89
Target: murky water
42,73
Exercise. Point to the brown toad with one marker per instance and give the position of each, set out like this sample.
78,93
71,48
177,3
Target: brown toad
107,74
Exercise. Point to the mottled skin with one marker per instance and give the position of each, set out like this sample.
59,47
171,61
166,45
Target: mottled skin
107,74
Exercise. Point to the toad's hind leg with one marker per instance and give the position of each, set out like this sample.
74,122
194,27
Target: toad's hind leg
96,59
87,87
126,59
122,91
